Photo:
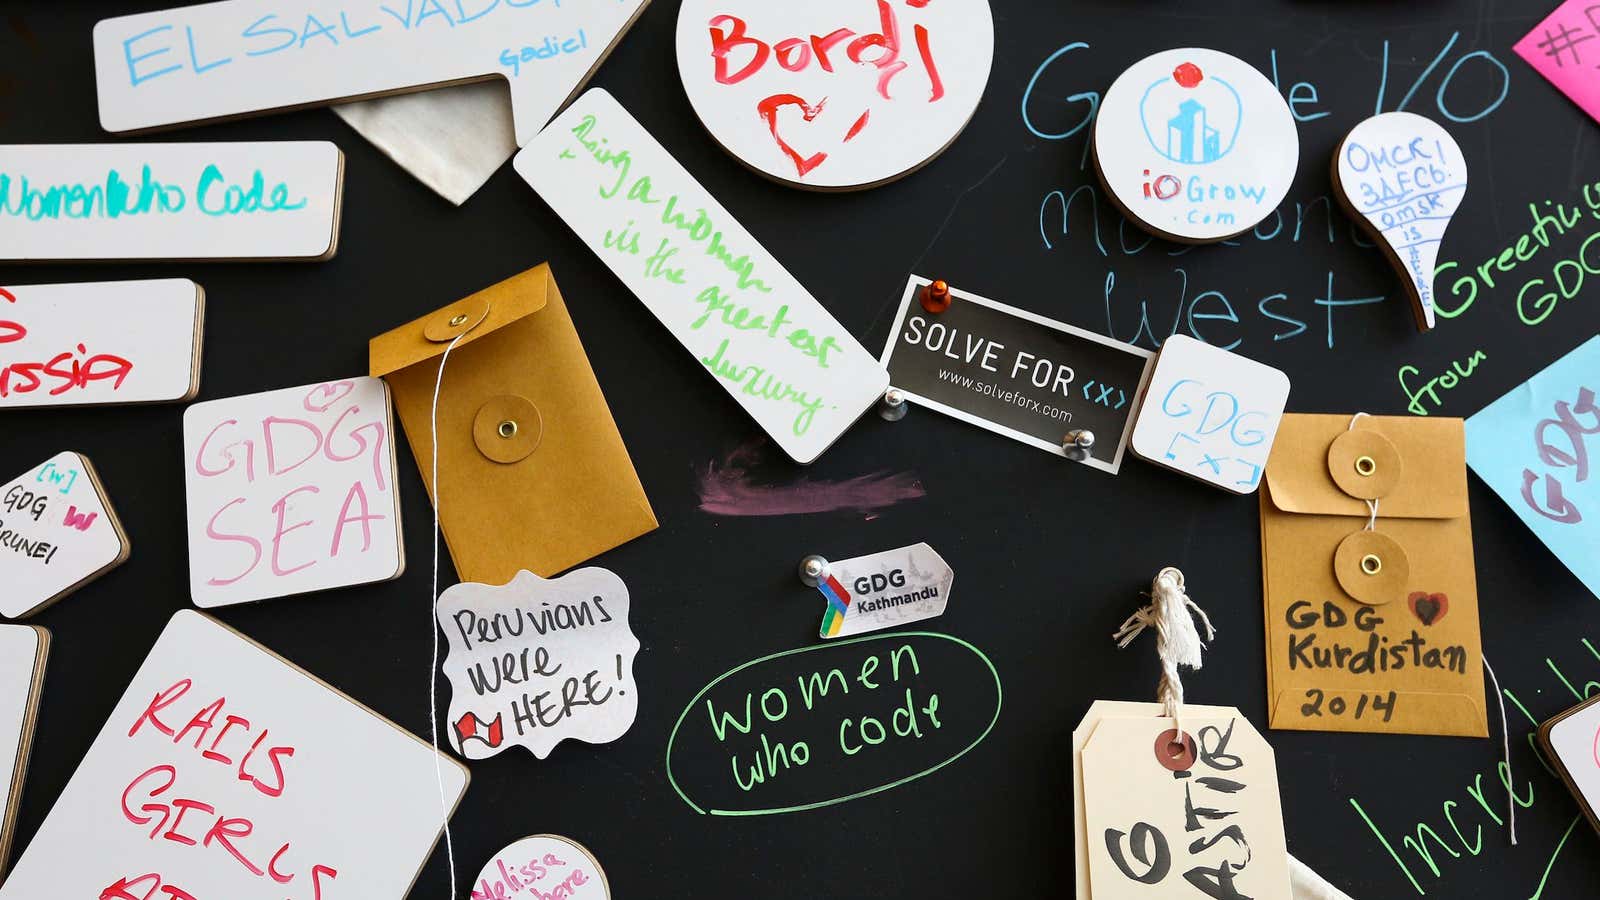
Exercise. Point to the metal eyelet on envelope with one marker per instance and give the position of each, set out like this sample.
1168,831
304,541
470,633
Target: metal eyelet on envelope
1364,464
507,429
1372,567
456,319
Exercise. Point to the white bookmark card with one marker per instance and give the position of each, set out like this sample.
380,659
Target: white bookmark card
291,492
100,343
170,202
884,590
835,94
58,532
240,57
225,771
23,649
765,339
1404,176
542,867
1210,414
538,661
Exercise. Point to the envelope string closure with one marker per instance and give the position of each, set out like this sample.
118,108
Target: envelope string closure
1177,640
433,626
1372,505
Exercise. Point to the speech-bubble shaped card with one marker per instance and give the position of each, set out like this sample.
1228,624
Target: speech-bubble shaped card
835,94
58,532
100,343
537,661
1195,145
542,867
211,61
884,590
1210,414
1403,176
291,492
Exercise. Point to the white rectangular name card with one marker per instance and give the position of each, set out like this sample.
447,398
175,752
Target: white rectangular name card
100,343
291,492
239,57
227,773
766,340
23,649
175,202
58,532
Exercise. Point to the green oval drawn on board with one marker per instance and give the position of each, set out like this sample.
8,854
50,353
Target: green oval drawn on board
998,698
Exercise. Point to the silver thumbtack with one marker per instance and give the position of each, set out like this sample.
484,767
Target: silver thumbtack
893,405
1078,444
813,570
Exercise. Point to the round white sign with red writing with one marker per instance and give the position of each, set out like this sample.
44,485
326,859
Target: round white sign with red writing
542,867
835,94
1195,145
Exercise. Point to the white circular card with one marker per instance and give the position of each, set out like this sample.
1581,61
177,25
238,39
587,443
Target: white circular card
835,95
1195,145
543,866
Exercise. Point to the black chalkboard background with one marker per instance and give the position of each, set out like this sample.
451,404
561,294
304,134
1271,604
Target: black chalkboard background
1049,557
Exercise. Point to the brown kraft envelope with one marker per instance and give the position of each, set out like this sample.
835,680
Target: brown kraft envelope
532,469
1371,630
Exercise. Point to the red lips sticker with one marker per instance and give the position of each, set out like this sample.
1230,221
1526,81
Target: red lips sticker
1428,608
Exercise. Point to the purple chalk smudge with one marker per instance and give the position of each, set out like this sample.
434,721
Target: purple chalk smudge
729,490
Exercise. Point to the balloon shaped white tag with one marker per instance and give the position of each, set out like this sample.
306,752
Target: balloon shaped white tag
1403,176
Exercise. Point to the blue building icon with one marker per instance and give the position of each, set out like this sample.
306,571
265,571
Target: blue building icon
1189,138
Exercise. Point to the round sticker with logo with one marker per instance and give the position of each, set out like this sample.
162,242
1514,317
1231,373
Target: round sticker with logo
835,94
1195,145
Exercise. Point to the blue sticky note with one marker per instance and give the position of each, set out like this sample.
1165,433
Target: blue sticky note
1539,448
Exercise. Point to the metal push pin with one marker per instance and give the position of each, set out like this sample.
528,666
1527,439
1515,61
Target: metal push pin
1078,444
893,406
813,570
936,297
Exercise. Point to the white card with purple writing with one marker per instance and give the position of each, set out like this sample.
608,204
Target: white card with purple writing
1210,414
835,94
537,661
100,343
227,773
291,492
764,338
542,867
57,533
276,200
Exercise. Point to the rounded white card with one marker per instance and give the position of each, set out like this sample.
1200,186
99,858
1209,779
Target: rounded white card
1195,145
835,94
543,867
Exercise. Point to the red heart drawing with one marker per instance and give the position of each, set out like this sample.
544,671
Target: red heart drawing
1428,608
768,109
333,391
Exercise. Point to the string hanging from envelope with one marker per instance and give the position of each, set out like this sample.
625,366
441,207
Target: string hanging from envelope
1177,640
1372,505
433,625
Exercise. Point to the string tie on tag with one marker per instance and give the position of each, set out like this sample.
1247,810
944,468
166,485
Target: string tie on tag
1372,505
1505,747
433,624
1177,640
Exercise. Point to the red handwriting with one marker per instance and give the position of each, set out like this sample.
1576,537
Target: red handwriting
282,438
65,371
152,799
1572,452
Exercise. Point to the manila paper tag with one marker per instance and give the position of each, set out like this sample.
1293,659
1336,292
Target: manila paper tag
1170,817
536,661
884,590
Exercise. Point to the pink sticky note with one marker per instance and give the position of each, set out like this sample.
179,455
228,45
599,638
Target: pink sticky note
1565,48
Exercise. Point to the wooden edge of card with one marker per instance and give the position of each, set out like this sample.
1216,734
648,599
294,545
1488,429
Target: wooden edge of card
1348,207
1148,228
18,775
583,83
197,352
125,546
1589,812
394,485
440,757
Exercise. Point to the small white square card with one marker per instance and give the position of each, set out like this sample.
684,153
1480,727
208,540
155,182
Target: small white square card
291,492
1210,414
58,532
